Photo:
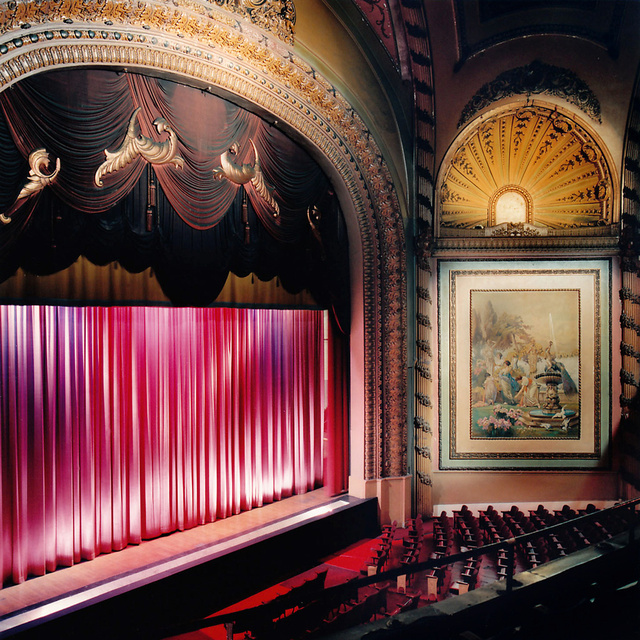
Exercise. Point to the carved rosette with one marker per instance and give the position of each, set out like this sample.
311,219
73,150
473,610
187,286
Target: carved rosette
207,46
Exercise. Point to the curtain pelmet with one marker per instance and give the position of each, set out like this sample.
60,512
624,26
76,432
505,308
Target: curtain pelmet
192,228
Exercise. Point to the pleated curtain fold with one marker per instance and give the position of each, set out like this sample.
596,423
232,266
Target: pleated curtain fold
120,424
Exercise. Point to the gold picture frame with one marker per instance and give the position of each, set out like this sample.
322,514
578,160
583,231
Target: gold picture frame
525,360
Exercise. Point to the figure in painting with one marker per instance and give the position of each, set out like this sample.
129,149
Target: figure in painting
490,390
528,394
484,386
517,367
550,358
533,353
508,384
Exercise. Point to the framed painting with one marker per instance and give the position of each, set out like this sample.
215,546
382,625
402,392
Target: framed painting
525,361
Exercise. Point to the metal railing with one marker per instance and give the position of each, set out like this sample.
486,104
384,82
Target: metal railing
508,544
346,591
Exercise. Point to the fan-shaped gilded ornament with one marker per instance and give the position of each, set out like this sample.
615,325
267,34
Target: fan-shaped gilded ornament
549,168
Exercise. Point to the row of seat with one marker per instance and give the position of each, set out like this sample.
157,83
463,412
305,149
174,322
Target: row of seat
310,616
467,530
381,551
302,612
498,526
442,534
412,541
363,610
262,621
467,527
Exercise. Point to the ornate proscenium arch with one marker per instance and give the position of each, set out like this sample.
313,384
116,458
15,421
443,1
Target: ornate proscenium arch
209,47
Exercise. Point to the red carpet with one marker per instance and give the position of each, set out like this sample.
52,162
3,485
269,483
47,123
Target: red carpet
338,571
354,557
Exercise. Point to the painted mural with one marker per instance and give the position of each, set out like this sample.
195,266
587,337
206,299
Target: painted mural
525,364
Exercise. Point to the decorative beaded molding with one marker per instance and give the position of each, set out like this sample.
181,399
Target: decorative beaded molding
605,245
210,48
419,47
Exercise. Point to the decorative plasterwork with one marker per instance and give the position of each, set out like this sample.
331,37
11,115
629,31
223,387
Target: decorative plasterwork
508,240
211,48
534,79
630,298
39,177
419,45
277,18
504,191
377,13
553,161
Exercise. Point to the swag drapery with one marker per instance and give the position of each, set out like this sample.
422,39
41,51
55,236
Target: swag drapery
191,228
124,423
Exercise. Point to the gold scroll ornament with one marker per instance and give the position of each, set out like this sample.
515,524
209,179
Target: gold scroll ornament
133,146
37,180
241,174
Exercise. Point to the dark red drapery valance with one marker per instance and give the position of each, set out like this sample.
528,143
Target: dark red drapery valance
191,228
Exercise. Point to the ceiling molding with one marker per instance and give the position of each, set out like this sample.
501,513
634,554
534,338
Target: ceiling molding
482,24
534,79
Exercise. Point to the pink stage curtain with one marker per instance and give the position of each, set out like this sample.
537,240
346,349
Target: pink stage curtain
123,423
337,419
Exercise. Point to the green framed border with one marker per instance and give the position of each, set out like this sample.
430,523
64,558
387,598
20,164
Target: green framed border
450,422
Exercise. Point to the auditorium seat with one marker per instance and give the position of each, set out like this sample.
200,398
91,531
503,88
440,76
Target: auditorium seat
388,531
415,528
459,587
409,604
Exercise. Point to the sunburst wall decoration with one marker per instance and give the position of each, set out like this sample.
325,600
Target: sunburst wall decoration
529,166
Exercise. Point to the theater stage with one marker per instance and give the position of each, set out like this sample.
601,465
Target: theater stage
144,590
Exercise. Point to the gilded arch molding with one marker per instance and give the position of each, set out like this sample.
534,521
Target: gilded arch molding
214,49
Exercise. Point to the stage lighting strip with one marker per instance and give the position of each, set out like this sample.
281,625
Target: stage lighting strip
127,582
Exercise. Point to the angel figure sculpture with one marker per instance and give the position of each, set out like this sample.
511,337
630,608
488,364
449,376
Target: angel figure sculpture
133,146
241,174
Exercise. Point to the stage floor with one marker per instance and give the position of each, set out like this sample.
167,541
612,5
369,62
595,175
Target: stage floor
68,589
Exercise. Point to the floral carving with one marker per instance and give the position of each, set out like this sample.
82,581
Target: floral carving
535,78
